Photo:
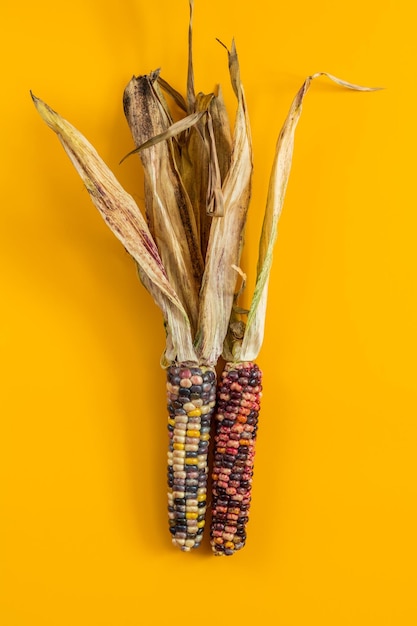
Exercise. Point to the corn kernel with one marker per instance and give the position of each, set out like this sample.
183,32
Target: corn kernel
193,433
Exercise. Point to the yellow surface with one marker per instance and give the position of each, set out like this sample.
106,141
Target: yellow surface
332,537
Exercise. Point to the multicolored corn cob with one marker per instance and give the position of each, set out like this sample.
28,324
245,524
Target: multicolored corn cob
191,395
187,251
238,402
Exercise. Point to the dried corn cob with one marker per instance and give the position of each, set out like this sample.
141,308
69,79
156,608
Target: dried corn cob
238,401
239,390
204,158
191,395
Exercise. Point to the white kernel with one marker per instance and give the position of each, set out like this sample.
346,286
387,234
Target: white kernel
178,542
188,406
191,447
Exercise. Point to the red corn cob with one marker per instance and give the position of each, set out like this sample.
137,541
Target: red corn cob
238,401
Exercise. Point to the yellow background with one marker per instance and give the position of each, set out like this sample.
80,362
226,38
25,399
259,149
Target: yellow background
332,536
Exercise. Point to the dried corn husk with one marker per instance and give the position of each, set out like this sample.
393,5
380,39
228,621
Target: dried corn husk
169,211
226,234
215,170
124,218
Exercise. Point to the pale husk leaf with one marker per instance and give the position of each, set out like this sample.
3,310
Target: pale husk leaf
254,333
226,235
124,218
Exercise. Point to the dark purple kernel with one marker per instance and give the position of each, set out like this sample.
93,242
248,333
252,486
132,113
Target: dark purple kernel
181,528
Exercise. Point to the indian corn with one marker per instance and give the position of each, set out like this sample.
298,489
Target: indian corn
240,385
191,393
238,402
187,251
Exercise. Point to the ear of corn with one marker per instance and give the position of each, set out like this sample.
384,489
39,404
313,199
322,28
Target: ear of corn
239,390
191,396
212,173
238,401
